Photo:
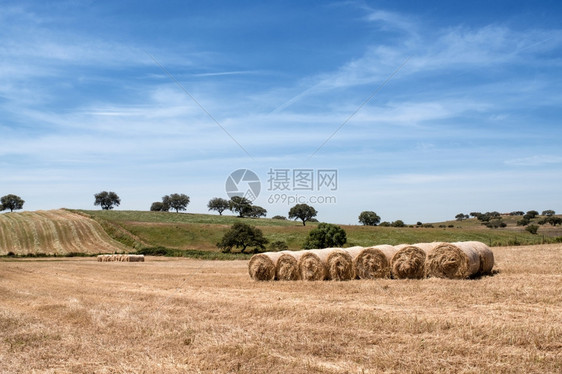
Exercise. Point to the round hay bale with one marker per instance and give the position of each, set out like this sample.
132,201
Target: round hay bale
287,267
339,264
100,258
408,262
370,262
486,257
312,265
453,261
262,266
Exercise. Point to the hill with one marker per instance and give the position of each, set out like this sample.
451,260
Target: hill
53,232
187,231
64,232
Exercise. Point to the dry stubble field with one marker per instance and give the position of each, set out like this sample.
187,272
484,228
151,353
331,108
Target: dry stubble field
181,315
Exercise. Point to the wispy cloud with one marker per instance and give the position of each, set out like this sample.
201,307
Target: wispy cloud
536,160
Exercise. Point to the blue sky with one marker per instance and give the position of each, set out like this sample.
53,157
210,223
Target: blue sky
446,107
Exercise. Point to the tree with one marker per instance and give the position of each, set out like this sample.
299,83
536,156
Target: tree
324,236
176,201
303,212
11,202
475,214
548,213
159,206
279,217
369,218
398,223
532,229
257,212
240,205
523,221
461,217
107,200
532,214
219,204
242,236
517,213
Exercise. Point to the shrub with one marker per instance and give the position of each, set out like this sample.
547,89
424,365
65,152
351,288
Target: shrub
532,229
398,223
324,236
278,245
279,217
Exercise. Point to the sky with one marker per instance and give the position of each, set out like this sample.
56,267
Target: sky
414,110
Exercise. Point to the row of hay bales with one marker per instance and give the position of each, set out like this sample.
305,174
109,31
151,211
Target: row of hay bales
120,258
458,260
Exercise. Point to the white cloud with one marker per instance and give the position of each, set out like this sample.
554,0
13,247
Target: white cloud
536,160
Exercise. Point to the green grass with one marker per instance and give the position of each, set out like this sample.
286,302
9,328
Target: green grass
195,235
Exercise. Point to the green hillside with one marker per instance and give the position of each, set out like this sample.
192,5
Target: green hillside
186,231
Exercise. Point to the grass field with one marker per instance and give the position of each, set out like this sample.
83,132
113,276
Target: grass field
203,231
171,315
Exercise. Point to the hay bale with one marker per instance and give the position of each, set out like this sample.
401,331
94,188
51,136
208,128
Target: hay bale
453,261
262,266
486,257
370,262
100,258
136,258
408,262
312,265
287,267
339,264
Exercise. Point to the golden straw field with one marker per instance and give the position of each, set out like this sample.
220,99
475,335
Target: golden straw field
168,315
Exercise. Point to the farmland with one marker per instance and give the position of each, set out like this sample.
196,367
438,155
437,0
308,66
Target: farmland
178,315
53,232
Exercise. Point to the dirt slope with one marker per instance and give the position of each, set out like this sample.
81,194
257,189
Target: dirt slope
53,232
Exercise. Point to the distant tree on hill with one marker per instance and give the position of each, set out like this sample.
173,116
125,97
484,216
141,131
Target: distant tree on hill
279,217
240,205
107,200
12,202
385,224
548,212
532,214
303,212
242,236
176,201
219,204
257,212
369,218
517,213
324,236
461,217
398,223
157,206
475,214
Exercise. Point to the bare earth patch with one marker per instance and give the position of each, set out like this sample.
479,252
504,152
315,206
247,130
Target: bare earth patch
182,315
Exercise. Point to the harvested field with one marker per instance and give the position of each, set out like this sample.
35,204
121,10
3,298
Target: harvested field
182,315
53,232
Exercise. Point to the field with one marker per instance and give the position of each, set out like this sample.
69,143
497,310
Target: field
53,232
188,231
176,315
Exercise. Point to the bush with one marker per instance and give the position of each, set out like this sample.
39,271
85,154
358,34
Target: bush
279,217
278,245
324,236
385,224
532,229
523,222
398,223
451,226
